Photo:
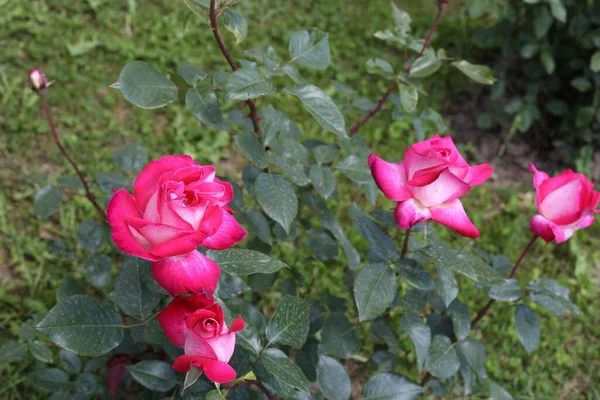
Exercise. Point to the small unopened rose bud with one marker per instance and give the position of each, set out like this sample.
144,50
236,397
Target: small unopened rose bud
38,80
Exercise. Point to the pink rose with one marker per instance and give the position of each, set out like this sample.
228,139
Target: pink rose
176,206
197,324
565,204
428,183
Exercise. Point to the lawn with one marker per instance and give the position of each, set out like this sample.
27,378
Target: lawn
83,45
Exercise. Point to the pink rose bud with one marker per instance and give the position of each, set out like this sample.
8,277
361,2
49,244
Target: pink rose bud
37,79
566,203
176,206
428,184
198,325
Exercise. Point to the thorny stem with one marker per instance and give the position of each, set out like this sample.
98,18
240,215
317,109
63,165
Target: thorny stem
213,15
442,5
481,313
88,193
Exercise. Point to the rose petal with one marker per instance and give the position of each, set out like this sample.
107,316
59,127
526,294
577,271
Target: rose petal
390,178
445,189
192,272
538,177
409,213
222,345
218,371
424,177
562,205
145,184
183,363
122,207
414,161
453,215
229,233
180,246
478,174
546,229
237,325
172,318
197,346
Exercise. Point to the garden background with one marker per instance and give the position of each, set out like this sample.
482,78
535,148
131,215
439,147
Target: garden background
82,46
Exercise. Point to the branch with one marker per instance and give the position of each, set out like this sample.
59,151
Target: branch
256,384
442,5
213,15
405,245
88,193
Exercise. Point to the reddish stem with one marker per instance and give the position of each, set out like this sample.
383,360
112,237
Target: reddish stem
405,245
481,313
213,15
256,384
442,4
88,193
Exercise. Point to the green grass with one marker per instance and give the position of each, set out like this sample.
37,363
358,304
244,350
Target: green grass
82,49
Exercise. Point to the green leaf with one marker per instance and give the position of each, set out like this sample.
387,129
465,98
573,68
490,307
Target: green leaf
191,74
277,364
310,48
83,325
446,284
136,291
325,153
155,375
50,379
289,324
381,330
356,169
528,328
478,73
111,180
401,19
508,291
70,362
380,67
204,105
245,262
338,337
558,10
90,235
69,182
409,96
497,392
552,296
595,62
12,351
461,320
474,352
321,107
415,274
277,198
247,83
548,62
426,65
96,270
333,379
390,387
40,351
130,158
381,243
69,287
419,333
374,290
581,84
442,361
236,24
259,225
47,200
323,180
322,244
542,22
144,86
87,384
252,148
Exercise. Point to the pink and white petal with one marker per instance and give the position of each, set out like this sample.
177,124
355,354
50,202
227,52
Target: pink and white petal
197,346
189,273
218,371
179,246
223,346
446,142
414,161
229,233
478,174
151,212
172,318
424,146
543,228
121,208
389,177
157,234
562,205
183,363
146,183
443,190
551,184
585,222
191,215
237,325
424,177
538,176
408,213
453,216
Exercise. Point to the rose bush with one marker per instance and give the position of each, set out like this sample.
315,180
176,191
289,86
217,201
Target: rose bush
566,203
176,206
429,183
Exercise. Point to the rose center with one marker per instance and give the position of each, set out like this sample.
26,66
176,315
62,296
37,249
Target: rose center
442,152
208,327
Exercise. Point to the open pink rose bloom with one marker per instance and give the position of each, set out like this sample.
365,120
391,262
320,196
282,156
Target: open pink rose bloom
176,206
197,324
566,203
428,184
